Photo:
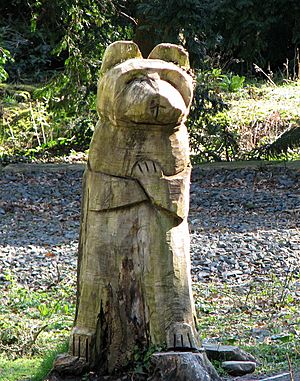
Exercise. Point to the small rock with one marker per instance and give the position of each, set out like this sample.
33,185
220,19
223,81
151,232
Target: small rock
227,353
203,274
238,368
66,364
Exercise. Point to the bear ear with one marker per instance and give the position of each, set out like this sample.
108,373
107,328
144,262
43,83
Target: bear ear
171,53
118,52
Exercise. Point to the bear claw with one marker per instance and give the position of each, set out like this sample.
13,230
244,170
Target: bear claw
180,336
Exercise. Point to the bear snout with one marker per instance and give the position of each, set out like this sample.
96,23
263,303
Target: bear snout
151,101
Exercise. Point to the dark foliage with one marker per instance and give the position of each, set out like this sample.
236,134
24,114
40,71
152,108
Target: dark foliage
59,45
251,31
176,21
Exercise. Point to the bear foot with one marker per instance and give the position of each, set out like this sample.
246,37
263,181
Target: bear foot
180,336
80,343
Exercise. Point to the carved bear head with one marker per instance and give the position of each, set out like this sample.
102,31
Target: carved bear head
152,91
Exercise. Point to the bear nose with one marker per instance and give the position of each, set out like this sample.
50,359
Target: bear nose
152,102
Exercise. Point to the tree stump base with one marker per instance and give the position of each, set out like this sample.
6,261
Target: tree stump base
66,364
164,366
182,366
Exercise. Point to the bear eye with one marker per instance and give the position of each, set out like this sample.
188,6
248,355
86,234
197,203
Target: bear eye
136,78
129,82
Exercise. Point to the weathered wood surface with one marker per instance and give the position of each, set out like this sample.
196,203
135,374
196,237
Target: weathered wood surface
180,366
134,284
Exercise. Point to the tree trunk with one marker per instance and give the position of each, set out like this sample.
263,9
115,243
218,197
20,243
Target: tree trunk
182,366
134,283
145,38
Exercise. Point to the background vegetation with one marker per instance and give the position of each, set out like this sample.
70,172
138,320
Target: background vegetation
261,318
245,58
50,55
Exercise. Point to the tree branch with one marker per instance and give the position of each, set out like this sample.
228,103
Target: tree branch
128,17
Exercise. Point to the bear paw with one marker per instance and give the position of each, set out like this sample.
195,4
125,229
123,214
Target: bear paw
180,336
146,169
80,344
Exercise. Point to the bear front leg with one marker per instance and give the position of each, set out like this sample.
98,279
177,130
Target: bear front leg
150,176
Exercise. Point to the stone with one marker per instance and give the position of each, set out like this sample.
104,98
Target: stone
134,283
227,353
260,334
238,368
182,366
69,365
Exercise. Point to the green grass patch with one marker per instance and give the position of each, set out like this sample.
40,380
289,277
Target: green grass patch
32,323
33,368
46,364
259,114
18,369
262,317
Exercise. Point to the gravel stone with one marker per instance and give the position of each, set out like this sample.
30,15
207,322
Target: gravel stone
251,216
244,223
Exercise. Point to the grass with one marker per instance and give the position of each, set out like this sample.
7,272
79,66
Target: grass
32,323
262,317
33,368
260,113
18,369
46,364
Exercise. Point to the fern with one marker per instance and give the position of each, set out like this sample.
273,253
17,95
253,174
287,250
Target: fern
289,139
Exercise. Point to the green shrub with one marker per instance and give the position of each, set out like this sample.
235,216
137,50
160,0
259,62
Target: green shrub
5,57
211,135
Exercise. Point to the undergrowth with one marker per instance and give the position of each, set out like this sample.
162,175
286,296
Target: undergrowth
262,317
261,114
31,128
236,119
231,119
33,321
46,364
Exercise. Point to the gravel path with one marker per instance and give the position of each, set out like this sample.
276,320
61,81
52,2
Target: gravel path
244,223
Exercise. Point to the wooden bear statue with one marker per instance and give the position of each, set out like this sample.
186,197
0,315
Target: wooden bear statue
134,284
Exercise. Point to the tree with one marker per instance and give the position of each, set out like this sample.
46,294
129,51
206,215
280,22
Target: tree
175,21
251,31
